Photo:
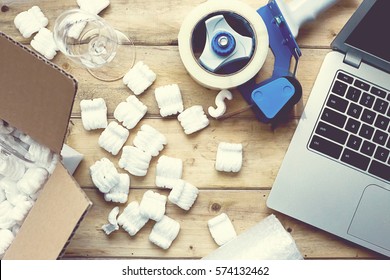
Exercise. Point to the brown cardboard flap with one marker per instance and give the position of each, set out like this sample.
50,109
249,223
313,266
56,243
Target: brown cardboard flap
35,95
52,220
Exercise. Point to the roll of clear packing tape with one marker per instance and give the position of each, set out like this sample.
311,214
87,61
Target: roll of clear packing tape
223,81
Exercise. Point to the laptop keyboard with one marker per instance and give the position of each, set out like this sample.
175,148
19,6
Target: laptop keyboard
353,127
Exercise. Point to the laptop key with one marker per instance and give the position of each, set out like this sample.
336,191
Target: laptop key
368,116
362,85
337,103
354,142
331,133
354,110
333,117
339,88
325,147
381,154
378,92
380,170
366,131
352,125
368,148
345,78
367,100
382,122
380,106
355,159
353,94
380,137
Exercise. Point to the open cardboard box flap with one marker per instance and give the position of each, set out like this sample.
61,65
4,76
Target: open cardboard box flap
37,98
51,222
35,95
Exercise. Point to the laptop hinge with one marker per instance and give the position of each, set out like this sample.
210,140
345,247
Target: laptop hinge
352,59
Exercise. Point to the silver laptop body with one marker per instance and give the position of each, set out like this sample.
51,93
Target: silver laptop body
336,172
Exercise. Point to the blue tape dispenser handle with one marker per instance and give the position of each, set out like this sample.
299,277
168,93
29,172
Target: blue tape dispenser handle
275,97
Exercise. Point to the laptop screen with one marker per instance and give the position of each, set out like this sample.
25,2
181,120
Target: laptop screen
366,35
371,34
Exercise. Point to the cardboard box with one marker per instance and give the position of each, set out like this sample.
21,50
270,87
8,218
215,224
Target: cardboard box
37,98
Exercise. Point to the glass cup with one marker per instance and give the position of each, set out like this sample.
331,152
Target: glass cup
91,42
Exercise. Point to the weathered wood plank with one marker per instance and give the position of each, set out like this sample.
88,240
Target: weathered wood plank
169,70
244,208
263,151
157,22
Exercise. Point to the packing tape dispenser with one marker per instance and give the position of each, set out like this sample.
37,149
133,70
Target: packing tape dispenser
224,44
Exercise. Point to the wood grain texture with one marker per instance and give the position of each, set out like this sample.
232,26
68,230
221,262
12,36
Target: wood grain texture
153,25
155,22
169,69
263,150
244,208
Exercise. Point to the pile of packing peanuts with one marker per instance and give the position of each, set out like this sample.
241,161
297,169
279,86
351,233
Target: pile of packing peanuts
20,180
148,143
135,159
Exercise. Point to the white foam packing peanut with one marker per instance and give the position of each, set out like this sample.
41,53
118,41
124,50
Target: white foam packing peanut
169,100
93,113
11,167
152,205
6,219
112,221
20,211
6,238
229,157
164,232
134,160
41,155
120,192
193,119
31,21
219,101
168,170
183,194
32,180
93,6
38,153
113,138
11,215
12,194
131,220
104,175
149,140
139,78
130,112
221,229
44,43
76,23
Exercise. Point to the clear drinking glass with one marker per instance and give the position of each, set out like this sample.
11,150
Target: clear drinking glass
90,41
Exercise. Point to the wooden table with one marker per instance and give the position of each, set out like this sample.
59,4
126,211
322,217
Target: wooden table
154,25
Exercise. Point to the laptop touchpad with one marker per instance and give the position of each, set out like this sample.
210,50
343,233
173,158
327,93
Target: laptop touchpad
371,221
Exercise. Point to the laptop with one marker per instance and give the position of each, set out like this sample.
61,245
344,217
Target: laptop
336,172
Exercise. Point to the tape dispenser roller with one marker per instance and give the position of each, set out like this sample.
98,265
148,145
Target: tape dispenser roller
224,44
